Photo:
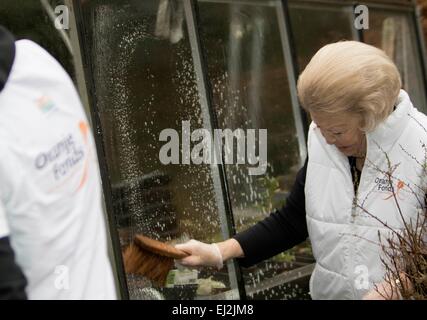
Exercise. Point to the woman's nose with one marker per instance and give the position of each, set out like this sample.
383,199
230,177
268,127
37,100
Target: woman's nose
330,138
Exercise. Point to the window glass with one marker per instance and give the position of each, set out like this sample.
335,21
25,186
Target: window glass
144,82
30,20
315,25
250,90
423,7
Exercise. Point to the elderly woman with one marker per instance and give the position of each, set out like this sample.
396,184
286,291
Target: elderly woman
362,177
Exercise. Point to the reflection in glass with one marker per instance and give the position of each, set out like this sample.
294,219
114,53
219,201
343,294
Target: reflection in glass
248,77
315,25
145,82
394,32
29,20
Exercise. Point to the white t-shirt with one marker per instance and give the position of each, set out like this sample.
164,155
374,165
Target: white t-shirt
50,196
4,228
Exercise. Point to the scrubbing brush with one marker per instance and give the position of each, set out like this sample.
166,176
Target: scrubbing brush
151,258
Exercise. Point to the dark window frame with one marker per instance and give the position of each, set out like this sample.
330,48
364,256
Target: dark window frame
409,6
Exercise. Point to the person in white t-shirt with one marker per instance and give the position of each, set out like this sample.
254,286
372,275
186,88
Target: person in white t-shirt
53,241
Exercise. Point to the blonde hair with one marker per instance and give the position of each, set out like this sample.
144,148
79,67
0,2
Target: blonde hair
350,77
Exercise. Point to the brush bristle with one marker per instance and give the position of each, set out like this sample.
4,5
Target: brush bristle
152,266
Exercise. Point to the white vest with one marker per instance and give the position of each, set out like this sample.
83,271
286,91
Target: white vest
50,196
344,238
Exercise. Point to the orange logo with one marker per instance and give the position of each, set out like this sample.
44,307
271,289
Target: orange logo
84,129
400,185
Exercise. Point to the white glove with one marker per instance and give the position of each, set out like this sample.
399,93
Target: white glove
200,254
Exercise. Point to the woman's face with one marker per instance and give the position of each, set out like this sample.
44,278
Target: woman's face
343,132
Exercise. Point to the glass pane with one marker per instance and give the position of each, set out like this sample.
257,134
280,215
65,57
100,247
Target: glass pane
315,25
29,20
394,32
423,6
247,73
145,82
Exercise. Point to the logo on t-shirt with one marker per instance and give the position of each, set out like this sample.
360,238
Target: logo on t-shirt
62,157
66,158
45,104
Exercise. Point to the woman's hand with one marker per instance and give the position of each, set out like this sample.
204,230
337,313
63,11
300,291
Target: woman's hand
384,291
209,255
390,290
